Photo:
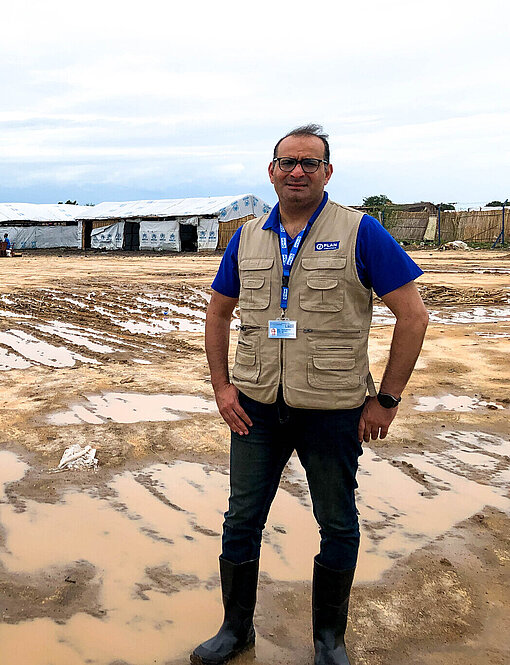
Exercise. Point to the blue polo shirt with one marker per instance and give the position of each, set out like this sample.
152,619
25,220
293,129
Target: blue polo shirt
381,262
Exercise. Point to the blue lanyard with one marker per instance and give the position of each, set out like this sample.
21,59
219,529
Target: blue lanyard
288,257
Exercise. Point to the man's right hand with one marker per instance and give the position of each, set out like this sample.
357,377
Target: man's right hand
227,399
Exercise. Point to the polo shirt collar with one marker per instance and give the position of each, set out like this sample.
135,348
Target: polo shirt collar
273,221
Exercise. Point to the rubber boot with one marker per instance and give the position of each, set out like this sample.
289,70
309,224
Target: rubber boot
237,634
330,604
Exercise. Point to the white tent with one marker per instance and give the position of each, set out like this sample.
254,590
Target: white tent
41,225
173,224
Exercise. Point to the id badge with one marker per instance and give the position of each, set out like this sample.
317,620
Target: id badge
282,329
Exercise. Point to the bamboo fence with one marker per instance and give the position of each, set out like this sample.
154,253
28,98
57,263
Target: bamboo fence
483,226
414,227
227,229
474,225
409,226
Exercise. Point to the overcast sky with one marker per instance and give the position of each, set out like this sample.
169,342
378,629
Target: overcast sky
109,100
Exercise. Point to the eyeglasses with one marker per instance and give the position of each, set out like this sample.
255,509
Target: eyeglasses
309,164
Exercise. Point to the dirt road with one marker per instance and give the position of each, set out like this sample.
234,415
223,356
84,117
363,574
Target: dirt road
117,566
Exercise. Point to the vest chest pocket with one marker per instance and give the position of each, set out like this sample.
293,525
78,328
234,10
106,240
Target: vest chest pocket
323,290
255,277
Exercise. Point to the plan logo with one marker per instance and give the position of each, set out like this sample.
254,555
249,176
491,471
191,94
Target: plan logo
324,246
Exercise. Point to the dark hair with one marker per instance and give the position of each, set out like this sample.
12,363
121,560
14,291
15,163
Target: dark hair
307,130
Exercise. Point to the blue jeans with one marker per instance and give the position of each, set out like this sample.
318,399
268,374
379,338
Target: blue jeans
328,448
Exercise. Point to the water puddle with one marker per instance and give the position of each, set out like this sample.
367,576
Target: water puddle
477,441
494,335
74,335
131,408
449,315
14,315
11,469
31,348
9,360
461,403
153,544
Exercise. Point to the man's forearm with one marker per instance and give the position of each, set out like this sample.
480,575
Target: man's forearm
217,336
405,348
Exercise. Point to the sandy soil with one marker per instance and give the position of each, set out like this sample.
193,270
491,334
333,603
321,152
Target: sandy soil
76,329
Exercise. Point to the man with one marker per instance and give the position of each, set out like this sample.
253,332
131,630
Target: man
303,276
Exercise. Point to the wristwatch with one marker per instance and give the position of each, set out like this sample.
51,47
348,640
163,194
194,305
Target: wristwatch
388,401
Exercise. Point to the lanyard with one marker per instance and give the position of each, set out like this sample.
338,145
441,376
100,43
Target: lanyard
288,259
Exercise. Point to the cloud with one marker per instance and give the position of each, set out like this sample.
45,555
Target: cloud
158,96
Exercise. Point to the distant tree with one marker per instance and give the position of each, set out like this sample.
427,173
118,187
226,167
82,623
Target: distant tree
496,204
445,206
68,202
376,201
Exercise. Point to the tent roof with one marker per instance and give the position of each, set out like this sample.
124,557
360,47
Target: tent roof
40,212
222,206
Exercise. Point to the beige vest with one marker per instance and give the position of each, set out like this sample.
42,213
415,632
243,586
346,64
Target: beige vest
326,366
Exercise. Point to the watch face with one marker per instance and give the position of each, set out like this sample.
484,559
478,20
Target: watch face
388,401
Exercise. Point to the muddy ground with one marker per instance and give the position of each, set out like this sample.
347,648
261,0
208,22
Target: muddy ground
117,565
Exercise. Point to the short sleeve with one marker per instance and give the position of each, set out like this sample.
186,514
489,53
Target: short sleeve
381,262
227,280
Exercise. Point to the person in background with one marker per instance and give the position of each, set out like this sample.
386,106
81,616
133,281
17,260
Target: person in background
8,248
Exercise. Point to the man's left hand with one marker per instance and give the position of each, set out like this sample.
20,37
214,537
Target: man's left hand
375,420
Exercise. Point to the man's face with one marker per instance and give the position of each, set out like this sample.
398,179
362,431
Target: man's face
297,186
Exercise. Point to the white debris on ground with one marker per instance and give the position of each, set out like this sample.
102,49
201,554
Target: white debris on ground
76,457
455,244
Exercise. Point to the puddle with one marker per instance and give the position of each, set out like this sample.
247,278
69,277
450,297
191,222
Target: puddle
41,352
449,315
10,360
154,547
470,315
131,408
13,315
477,441
74,335
494,335
461,403
11,469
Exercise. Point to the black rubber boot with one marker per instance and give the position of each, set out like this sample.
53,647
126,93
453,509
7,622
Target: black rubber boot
237,634
330,604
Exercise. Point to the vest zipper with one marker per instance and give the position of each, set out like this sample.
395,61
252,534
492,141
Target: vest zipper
336,332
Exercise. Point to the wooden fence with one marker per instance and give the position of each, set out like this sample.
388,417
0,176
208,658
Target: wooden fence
227,229
473,225
408,226
415,227
467,225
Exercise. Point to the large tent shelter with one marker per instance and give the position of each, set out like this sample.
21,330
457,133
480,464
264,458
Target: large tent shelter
172,224
41,225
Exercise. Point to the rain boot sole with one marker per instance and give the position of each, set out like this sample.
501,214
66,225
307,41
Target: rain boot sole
197,660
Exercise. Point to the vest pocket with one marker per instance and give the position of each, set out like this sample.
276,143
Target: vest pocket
332,372
324,279
255,277
247,364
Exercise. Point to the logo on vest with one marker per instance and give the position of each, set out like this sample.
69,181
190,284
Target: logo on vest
324,246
